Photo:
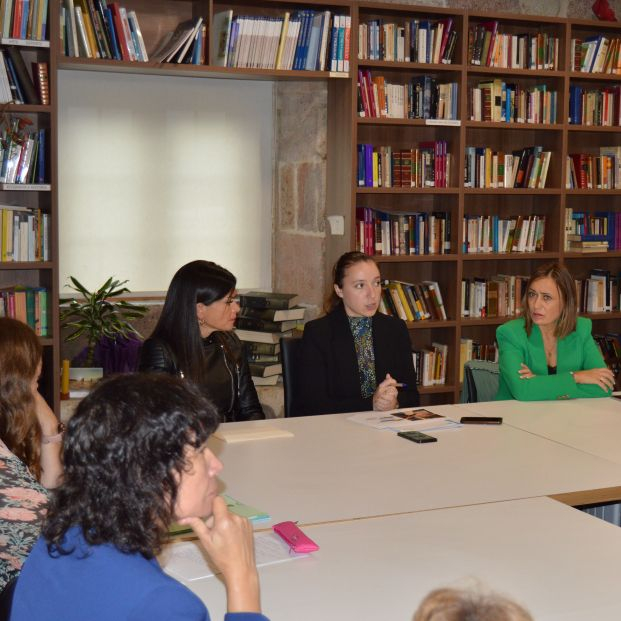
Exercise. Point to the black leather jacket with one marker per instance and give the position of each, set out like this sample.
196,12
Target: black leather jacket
227,381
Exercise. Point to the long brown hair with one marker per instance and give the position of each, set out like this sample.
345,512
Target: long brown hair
567,289
20,354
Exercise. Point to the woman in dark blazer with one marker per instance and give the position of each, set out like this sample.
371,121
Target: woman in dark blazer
354,358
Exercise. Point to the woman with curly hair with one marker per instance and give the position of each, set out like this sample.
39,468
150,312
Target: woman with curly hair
136,458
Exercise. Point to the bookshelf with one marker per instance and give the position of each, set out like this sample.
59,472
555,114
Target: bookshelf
551,131
38,195
346,130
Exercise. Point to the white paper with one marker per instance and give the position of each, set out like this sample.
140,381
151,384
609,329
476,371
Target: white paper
187,561
418,419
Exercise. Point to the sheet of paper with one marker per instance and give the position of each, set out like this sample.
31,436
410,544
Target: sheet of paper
411,419
186,561
247,434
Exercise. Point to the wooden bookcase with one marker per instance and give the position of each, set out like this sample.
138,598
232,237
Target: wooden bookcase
346,129
561,138
43,197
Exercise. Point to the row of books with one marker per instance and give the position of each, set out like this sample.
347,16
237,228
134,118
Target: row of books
24,19
413,301
596,54
422,98
25,234
472,350
599,293
586,171
599,106
417,41
100,29
489,47
525,168
430,364
592,231
264,318
187,44
17,84
504,234
497,101
425,166
22,156
28,304
384,233
498,296
304,40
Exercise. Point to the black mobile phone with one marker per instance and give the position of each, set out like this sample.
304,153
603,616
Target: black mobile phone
417,436
481,420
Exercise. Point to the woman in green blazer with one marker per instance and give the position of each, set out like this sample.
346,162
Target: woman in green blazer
549,352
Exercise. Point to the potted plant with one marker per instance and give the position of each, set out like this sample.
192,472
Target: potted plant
111,340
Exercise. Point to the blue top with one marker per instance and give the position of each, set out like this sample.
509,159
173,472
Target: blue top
100,583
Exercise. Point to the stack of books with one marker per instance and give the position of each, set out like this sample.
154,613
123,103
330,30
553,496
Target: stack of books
265,317
20,19
28,304
471,350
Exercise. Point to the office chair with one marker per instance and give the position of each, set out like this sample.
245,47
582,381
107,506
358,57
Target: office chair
481,379
289,354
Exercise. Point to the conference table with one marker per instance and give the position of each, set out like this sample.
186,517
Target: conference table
395,519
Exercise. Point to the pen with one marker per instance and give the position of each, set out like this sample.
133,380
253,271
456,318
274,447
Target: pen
401,385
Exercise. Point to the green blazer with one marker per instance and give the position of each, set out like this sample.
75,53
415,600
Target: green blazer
576,352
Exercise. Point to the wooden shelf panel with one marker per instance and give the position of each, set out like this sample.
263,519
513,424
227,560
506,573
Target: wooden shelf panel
501,71
556,127
360,190
364,120
594,128
413,258
513,191
410,66
508,256
430,323
26,265
196,71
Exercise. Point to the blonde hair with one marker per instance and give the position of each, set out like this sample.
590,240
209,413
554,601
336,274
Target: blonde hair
461,605
566,286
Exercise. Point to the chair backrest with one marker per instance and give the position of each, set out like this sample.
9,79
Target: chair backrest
481,379
289,357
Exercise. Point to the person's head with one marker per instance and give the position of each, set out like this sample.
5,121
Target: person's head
200,300
20,365
461,605
550,300
357,285
135,459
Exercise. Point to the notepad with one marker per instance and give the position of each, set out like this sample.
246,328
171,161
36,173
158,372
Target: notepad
187,561
247,434
247,511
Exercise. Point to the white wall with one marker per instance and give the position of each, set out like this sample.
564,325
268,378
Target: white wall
156,171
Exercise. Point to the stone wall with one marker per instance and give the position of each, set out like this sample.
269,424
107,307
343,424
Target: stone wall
299,238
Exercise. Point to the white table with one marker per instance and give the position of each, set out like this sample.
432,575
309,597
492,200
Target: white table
333,469
557,561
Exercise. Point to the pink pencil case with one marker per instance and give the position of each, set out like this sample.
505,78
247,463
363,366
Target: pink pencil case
293,536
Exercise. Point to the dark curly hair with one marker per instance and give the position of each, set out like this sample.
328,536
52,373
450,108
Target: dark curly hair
123,454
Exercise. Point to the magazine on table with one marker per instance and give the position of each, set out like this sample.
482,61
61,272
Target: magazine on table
409,419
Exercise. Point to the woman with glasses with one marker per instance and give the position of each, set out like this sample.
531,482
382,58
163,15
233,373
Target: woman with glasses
194,338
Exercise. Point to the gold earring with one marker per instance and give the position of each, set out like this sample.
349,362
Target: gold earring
202,323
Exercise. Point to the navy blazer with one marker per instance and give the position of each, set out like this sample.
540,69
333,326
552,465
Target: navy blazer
329,380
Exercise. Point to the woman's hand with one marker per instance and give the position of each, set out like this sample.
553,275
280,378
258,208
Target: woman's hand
525,372
385,395
228,540
604,378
